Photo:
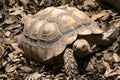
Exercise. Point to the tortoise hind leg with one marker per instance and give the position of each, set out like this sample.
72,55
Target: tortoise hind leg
70,64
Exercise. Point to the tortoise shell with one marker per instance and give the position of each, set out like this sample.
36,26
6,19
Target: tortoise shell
47,33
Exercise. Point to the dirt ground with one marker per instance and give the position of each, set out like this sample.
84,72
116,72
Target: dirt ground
103,65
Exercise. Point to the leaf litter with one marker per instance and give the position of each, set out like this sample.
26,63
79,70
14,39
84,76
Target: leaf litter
103,65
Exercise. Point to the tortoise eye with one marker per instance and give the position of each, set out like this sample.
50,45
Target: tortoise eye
74,47
84,46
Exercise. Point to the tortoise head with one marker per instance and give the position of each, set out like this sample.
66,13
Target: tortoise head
81,47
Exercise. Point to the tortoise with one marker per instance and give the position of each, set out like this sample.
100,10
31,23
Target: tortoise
57,34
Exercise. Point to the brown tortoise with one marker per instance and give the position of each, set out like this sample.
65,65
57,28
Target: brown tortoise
49,35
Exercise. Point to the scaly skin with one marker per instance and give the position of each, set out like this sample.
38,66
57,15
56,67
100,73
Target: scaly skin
70,64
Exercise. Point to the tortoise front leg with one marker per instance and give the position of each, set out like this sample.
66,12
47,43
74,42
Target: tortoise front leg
70,64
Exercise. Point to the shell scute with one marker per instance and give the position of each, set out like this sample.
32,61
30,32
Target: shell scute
49,32
27,25
35,27
55,13
67,22
42,52
44,13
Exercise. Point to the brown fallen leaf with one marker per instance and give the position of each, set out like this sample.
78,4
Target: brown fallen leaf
60,76
13,27
15,10
2,40
42,2
15,46
90,3
108,69
33,76
7,34
8,40
3,76
118,71
25,2
118,78
11,2
101,14
14,57
25,17
11,56
112,74
10,20
89,66
108,56
26,69
116,57
0,16
10,68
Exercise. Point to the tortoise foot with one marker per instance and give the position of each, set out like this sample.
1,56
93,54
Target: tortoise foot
70,64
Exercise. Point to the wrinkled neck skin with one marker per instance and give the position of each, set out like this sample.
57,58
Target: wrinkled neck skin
80,53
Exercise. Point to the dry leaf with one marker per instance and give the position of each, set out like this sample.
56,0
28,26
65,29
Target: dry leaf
10,68
89,66
33,76
15,10
11,56
118,78
90,3
108,69
108,56
60,76
25,2
26,69
7,34
3,76
10,20
15,57
101,14
0,16
25,17
15,46
11,2
116,57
